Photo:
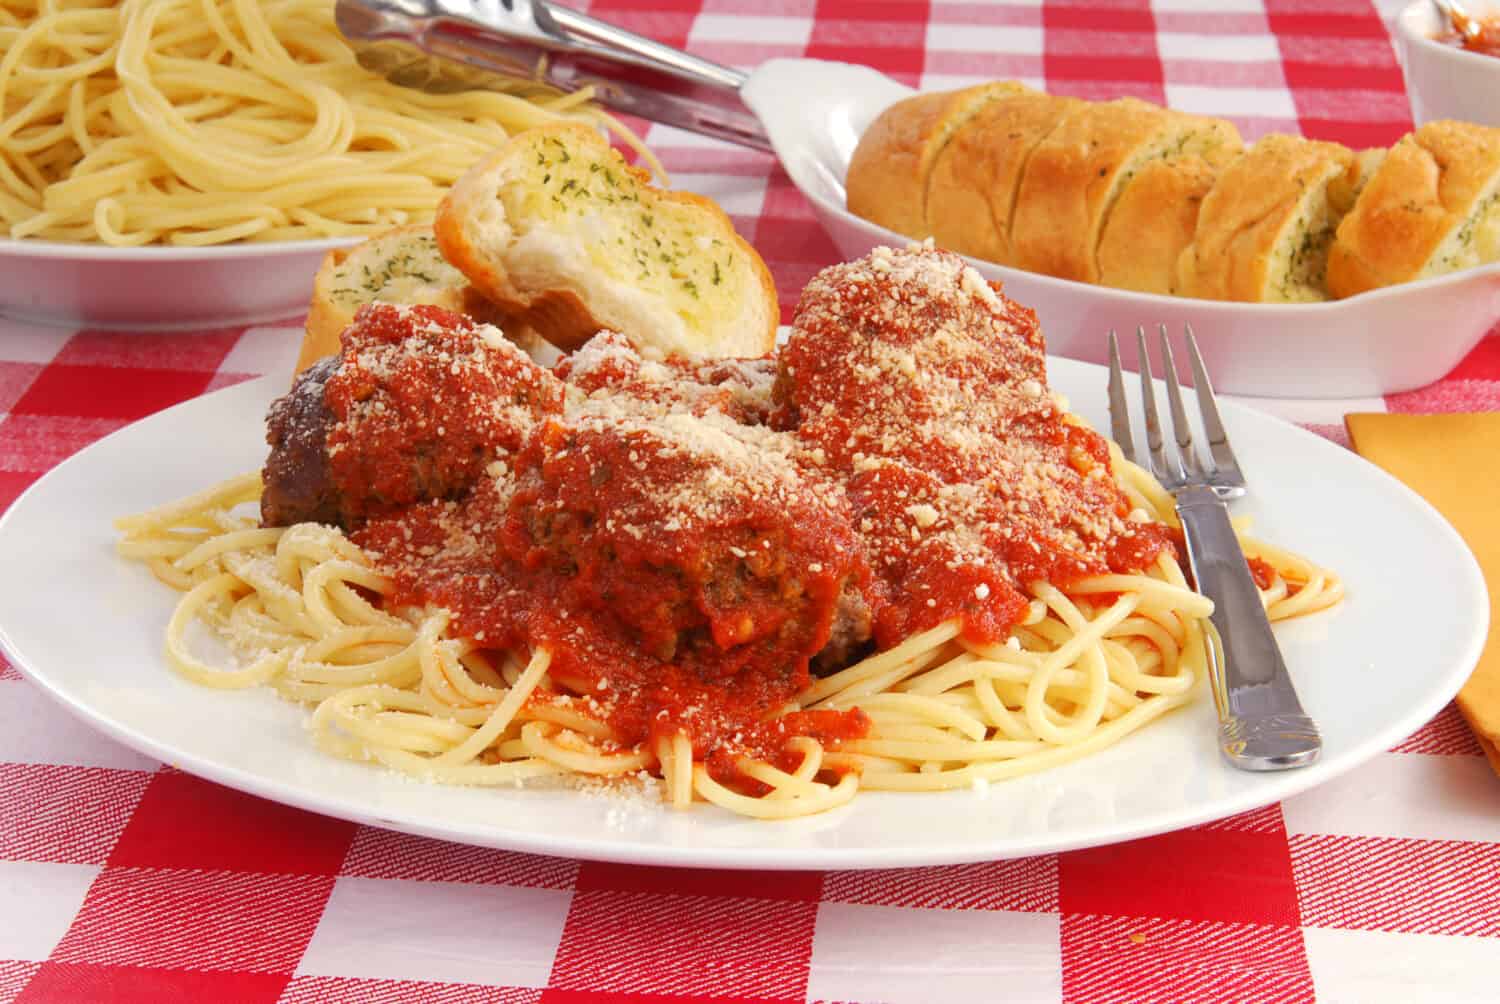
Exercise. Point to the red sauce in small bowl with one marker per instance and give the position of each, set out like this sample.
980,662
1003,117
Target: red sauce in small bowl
1486,43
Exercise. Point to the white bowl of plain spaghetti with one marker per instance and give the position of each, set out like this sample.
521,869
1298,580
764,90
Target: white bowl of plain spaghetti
157,288
166,163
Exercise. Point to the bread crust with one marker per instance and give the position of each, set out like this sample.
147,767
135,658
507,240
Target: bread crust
1152,222
1130,195
1066,189
331,310
1252,203
1427,185
325,320
889,172
561,317
972,189
563,314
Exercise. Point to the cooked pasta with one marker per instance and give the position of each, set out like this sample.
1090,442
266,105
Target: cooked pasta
1086,667
196,122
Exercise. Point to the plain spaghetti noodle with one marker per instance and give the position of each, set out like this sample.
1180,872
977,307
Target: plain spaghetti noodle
1084,669
196,122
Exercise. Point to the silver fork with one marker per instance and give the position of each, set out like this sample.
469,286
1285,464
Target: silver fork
1261,722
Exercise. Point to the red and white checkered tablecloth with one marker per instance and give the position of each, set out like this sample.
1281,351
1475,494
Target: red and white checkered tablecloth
124,880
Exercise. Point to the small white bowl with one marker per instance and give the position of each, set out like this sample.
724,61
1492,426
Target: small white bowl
158,288
1443,80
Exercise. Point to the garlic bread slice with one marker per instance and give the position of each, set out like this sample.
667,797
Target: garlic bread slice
402,265
1431,207
972,193
890,171
1265,227
1076,174
558,230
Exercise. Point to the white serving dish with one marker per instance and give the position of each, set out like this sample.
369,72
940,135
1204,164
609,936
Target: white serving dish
86,626
1444,81
158,288
1387,340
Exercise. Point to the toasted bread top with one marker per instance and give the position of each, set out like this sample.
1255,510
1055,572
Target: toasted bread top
1430,207
972,190
1075,175
1152,221
1265,226
402,265
557,229
890,170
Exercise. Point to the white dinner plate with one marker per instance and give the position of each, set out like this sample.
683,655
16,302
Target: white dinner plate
158,288
1386,340
87,627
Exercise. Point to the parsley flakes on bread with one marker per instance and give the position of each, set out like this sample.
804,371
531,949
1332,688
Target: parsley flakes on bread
554,238
399,266
557,229
1432,206
1080,170
1130,195
1264,228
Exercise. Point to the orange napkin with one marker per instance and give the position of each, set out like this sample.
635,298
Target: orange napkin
1453,461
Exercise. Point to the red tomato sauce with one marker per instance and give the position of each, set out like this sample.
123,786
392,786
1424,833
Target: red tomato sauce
1485,43
689,541
927,390
1262,572
423,404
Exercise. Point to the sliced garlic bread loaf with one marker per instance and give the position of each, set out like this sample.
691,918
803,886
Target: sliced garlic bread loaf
1432,206
1266,225
1076,174
558,230
889,171
972,191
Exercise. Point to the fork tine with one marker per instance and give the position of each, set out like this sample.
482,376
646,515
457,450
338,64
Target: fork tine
1226,465
1119,409
1159,465
1181,427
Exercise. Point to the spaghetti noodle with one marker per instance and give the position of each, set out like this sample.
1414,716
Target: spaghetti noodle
1084,669
197,122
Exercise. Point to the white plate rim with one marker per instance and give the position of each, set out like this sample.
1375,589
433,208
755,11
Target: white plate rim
153,288
1268,789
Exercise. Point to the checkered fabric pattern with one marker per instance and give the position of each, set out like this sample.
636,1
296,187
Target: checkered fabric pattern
125,880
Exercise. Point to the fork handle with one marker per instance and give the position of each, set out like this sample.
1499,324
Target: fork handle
1261,722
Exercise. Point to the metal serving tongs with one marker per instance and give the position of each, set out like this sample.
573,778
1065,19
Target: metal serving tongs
447,45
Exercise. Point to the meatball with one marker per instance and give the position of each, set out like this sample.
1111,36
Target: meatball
694,535
297,485
609,364
925,389
910,354
850,637
418,403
